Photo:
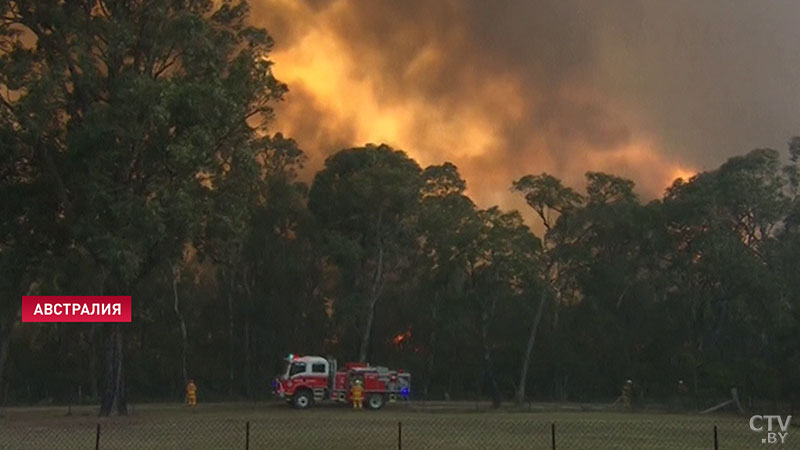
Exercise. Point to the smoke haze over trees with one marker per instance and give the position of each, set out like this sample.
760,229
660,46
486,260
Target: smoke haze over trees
646,89
154,168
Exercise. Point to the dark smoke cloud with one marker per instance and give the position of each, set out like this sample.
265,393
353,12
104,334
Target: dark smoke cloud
647,89
712,79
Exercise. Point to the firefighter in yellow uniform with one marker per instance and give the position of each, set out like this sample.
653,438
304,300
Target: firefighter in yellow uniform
357,394
191,393
627,394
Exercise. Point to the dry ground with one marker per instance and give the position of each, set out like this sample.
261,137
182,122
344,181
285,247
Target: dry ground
441,426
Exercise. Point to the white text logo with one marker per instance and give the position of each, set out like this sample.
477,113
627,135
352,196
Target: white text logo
761,424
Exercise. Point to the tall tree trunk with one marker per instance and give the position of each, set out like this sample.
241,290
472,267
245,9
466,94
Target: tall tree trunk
247,344
526,359
432,357
114,388
248,385
561,387
5,340
94,346
365,337
374,295
122,402
5,337
231,343
93,391
181,322
487,358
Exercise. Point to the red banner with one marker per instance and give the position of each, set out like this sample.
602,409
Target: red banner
78,308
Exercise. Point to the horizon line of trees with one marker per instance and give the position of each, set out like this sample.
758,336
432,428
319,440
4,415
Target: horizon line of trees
137,159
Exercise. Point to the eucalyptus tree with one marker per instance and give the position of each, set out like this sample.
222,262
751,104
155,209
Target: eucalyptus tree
726,225
448,226
365,202
550,199
127,114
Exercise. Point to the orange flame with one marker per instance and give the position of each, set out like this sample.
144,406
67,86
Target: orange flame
400,338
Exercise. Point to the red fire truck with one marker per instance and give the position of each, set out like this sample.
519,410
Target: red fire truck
309,379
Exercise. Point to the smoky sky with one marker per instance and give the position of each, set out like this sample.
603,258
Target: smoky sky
646,89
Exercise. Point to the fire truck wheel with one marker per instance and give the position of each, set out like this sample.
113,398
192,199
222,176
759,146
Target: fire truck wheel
302,400
375,401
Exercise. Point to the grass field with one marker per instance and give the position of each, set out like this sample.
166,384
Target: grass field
451,426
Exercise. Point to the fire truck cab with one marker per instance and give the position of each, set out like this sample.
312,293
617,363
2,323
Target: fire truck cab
306,380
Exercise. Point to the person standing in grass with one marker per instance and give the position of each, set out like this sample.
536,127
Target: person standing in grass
191,393
357,394
627,394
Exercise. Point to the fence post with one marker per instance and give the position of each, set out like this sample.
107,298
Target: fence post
97,438
399,435
553,435
716,440
247,436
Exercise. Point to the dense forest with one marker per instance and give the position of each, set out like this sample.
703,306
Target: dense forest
137,158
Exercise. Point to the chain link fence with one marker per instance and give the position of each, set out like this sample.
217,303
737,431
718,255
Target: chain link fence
356,431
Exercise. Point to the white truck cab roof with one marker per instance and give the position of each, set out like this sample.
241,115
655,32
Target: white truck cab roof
310,359
306,365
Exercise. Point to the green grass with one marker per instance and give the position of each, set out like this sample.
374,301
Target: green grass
452,426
